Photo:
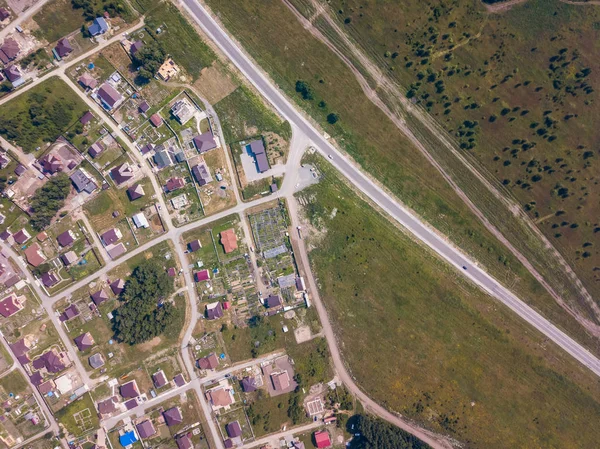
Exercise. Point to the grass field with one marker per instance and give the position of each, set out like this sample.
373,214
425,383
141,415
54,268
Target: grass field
515,91
289,53
243,114
445,354
179,39
56,19
80,416
40,115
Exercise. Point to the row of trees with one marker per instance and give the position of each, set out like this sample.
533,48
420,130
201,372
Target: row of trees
378,434
143,315
48,200
94,8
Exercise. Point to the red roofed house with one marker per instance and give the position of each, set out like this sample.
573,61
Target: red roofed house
11,305
34,255
322,439
156,120
211,361
88,81
229,240
203,275
174,184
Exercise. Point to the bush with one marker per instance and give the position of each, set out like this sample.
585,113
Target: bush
333,118
305,90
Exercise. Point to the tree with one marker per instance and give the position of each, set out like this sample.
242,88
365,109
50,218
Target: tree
143,315
305,90
48,200
147,60
375,433
333,118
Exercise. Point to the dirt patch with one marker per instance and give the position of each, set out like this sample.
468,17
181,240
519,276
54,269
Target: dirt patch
150,344
215,84
19,6
302,334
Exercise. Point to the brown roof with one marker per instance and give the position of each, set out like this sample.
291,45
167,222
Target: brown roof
87,80
211,361
10,305
34,255
229,240
205,142
174,184
156,119
281,380
107,406
219,397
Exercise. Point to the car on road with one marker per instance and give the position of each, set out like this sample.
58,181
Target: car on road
330,156
464,267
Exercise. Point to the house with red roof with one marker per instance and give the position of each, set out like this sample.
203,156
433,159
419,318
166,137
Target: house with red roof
322,439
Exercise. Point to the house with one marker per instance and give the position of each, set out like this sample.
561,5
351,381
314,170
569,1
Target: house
140,221
219,397
143,107
168,69
273,301
84,341
122,173
53,361
214,310
83,181
205,142
87,81
229,240
135,47
256,149
145,429
117,286
300,285
4,160
202,275
156,119
20,169
211,361
184,441
147,148
174,183
5,235
163,159
322,439
111,236
280,380
96,149
180,157
107,406
173,416
96,361
115,251
98,26
69,258
201,174
4,14
46,387
13,74
11,305
34,255
66,238
86,118
69,313
20,349
42,236
135,192
9,50
234,429
50,279
159,379
21,236
36,379
51,163
99,297
194,245
130,390
63,48
179,201
109,96
248,384
183,111
12,280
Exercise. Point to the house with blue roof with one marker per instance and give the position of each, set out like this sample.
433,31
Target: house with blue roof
128,438
98,26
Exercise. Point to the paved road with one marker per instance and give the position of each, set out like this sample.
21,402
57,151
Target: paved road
22,18
403,216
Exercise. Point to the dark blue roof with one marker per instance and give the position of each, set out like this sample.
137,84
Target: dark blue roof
99,26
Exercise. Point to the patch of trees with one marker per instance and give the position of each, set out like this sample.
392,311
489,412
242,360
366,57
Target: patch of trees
307,93
376,433
48,200
143,315
95,8
147,60
40,120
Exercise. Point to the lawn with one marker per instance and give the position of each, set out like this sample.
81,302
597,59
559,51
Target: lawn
14,383
444,353
79,417
179,39
40,115
289,53
57,19
243,115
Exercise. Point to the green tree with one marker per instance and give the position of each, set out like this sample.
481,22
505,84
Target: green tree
48,200
333,118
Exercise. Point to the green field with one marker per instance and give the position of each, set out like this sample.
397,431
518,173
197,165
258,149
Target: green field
425,343
243,115
40,115
179,39
57,19
289,53
80,416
